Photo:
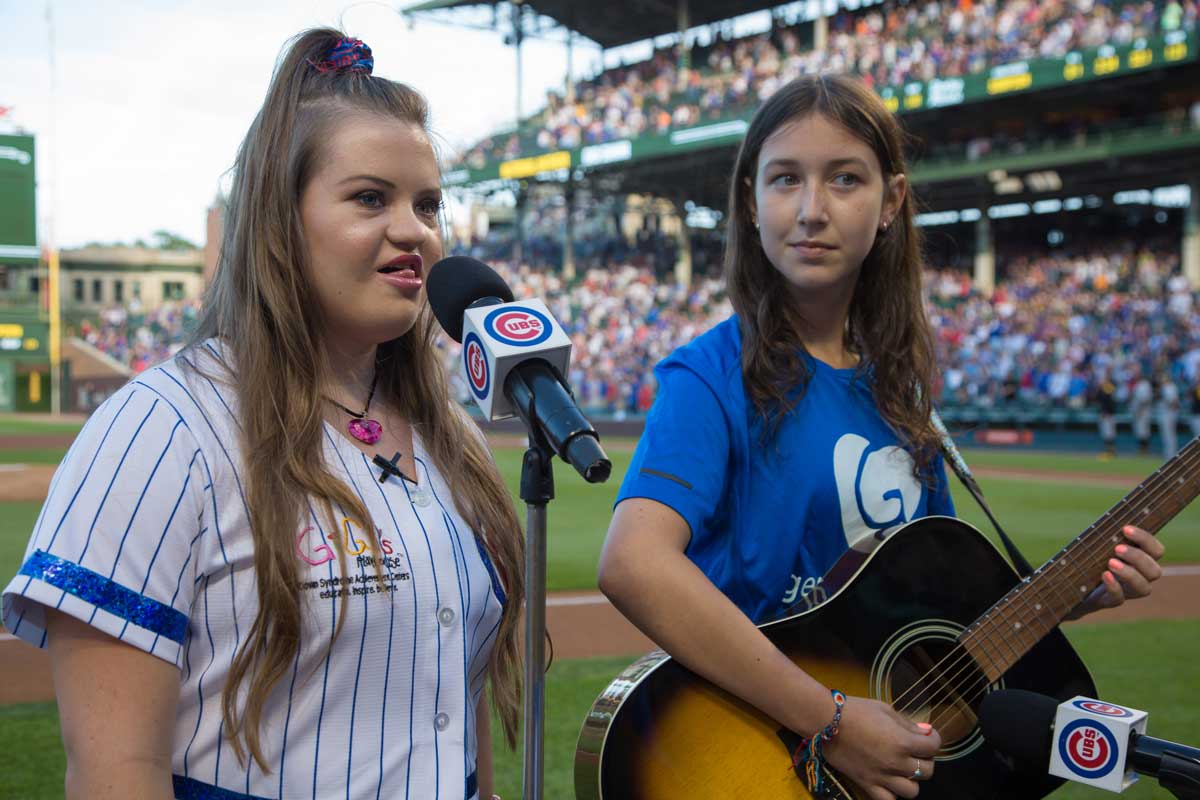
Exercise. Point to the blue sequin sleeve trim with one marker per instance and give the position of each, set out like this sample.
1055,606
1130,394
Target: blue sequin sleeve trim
109,595
487,562
191,789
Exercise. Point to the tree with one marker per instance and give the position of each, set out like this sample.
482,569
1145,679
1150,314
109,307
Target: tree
160,240
166,240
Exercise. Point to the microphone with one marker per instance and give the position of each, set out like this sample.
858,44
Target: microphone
1086,741
388,466
519,347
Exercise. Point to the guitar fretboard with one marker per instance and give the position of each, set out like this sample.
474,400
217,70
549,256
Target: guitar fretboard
1020,619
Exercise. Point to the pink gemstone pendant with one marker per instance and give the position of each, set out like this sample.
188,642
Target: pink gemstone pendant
366,431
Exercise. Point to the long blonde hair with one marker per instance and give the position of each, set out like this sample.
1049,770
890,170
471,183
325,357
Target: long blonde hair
262,308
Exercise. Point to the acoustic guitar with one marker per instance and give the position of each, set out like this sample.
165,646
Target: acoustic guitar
930,622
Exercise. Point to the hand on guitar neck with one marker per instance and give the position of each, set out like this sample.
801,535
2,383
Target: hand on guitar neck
1131,570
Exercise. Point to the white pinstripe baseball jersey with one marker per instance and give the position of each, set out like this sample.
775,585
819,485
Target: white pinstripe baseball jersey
145,536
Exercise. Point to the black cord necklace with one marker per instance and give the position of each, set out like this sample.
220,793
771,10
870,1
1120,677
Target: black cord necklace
361,427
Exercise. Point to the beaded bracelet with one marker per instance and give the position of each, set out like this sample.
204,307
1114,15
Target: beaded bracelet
809,749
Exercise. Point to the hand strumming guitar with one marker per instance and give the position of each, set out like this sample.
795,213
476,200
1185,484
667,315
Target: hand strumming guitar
881,751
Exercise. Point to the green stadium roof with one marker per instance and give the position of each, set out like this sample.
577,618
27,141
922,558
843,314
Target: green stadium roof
614,24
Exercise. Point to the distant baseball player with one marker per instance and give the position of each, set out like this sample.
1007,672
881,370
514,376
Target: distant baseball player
1141,406
1168,414
1195,410
1106,399
235,605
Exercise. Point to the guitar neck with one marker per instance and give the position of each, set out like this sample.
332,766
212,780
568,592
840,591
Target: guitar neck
1020,619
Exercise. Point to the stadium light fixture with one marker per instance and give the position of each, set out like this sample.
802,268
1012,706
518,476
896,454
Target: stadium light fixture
1140,197
1008,210
1177,196
932,218
703,217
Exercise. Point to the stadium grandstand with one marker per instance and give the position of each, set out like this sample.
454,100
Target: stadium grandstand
1056,157
1056,149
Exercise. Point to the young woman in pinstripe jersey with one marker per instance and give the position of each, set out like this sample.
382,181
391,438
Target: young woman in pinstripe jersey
234,604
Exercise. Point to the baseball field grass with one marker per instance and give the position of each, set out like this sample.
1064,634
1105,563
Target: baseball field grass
1147,665
1042,500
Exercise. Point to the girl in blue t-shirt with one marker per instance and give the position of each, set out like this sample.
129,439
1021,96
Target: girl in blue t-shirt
800,428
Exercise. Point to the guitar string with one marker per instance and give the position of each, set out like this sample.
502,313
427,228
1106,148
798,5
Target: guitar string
959,653
1091,549
1010,609
1170,486
834,778
982,688
1093,546
951,689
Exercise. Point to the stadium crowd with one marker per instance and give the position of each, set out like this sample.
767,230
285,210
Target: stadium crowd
1058,324
140,338
886,45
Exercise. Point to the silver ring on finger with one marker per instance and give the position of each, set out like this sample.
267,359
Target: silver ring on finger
917,773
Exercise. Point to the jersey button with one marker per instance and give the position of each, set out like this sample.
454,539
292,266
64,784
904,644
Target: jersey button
441,721
420,497
446,616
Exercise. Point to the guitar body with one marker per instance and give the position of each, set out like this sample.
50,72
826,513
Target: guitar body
659,732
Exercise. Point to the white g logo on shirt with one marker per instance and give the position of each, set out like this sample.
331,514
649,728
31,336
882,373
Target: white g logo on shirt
876,490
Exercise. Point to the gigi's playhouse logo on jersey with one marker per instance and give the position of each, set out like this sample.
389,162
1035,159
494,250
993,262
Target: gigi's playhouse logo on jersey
1096,707
476,366
517,326
1088,748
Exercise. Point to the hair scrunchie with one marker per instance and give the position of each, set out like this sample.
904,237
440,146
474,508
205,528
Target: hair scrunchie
347,54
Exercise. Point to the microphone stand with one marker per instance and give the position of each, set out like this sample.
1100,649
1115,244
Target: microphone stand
537,489
573,438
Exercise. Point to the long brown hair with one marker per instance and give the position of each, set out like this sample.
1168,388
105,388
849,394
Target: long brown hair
886,325
265,312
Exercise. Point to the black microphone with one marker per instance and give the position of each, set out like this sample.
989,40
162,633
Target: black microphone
457,283
534,388
1020,724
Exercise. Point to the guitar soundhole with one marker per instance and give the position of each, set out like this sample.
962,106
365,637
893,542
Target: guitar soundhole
928,677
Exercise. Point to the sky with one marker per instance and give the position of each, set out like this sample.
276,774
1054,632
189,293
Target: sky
152,97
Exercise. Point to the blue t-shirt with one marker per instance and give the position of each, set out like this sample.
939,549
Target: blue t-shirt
768,522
